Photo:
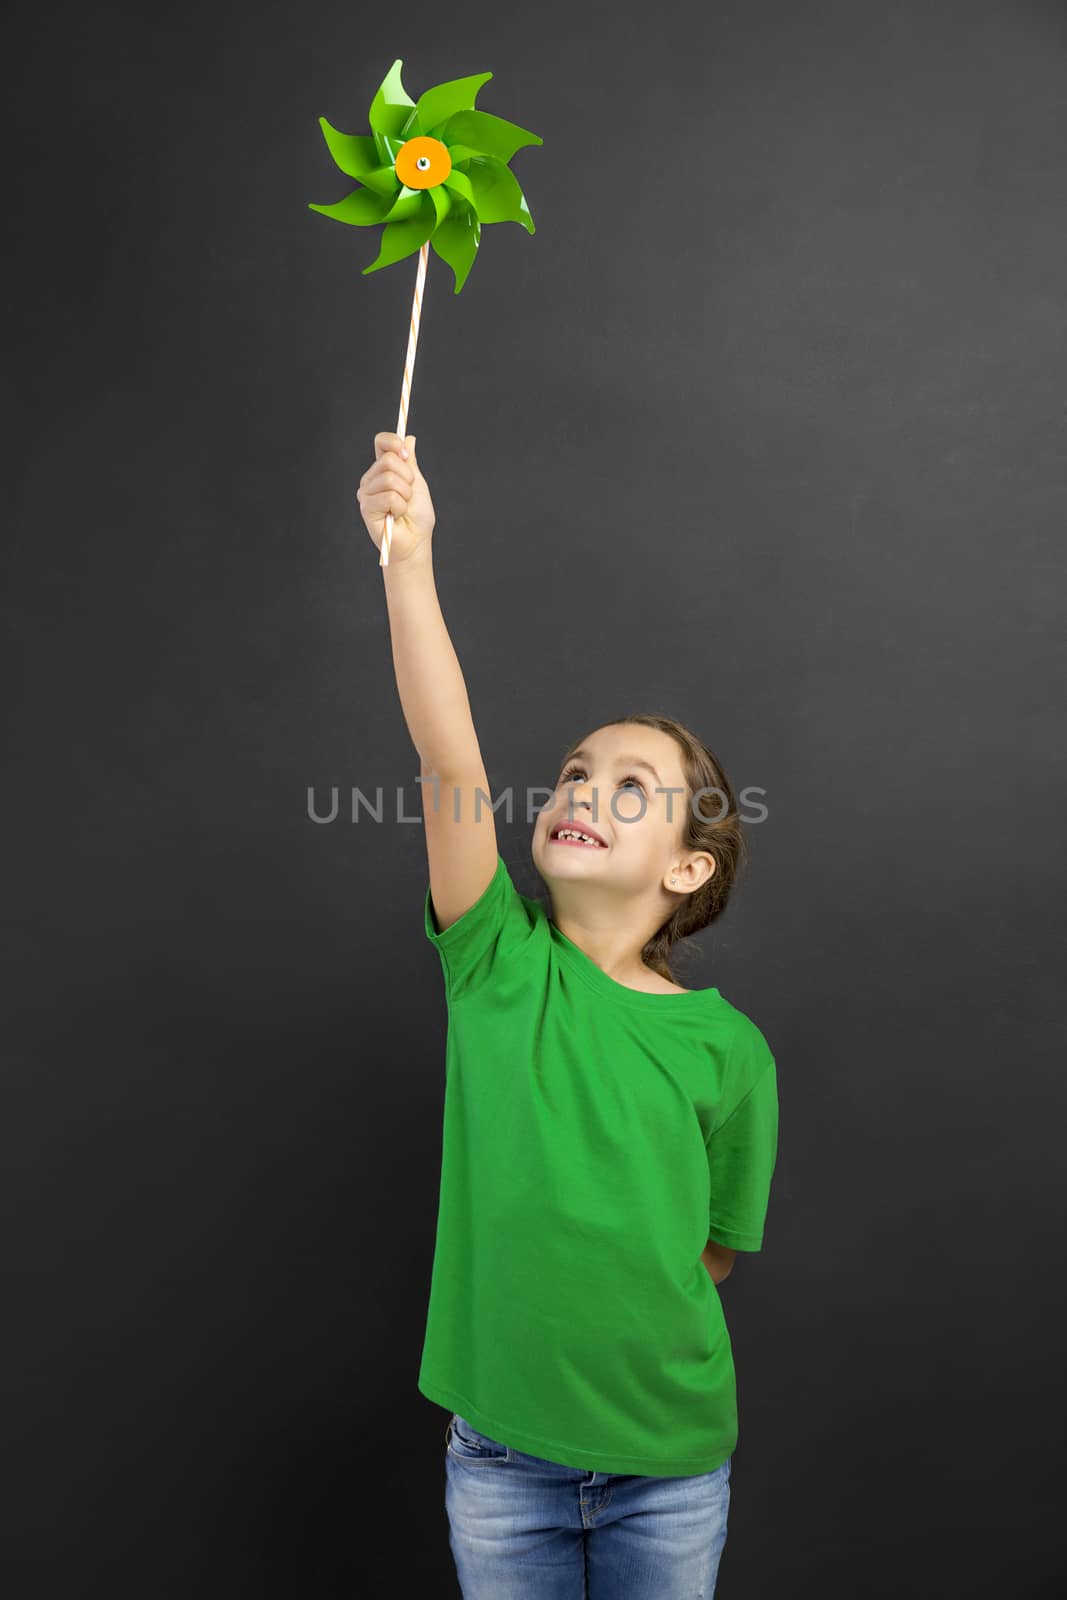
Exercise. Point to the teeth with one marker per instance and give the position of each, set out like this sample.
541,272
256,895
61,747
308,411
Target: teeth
572,833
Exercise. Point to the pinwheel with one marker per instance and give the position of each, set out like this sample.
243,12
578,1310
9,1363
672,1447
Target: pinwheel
432,170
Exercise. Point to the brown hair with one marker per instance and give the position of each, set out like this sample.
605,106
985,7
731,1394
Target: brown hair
704,829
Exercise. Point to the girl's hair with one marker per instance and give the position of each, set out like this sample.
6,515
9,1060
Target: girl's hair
704,828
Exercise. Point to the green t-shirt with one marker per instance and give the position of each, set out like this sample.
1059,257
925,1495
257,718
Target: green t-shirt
594,1138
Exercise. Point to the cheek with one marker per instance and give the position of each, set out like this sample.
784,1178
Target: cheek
635,824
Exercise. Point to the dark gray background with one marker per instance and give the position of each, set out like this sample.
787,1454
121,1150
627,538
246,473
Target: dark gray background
764,427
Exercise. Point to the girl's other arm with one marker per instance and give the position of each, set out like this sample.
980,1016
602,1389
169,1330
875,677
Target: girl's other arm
718,1260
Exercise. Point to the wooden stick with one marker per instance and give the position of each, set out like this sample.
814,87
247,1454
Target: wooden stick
405,393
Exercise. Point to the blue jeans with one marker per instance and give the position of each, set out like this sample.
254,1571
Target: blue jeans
522,1528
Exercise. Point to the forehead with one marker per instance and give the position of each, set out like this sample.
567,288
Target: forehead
634,746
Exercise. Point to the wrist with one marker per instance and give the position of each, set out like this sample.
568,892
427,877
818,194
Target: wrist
421,556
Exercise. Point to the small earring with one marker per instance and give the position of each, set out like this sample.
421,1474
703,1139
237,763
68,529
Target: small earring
672,880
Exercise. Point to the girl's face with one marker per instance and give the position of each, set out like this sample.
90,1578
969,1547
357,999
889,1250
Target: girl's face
626,786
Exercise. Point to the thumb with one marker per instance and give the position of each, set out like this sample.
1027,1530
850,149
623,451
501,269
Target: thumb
410,442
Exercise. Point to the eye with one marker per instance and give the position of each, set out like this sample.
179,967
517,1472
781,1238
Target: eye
572,772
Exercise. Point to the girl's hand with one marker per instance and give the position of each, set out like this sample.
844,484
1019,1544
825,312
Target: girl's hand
395,485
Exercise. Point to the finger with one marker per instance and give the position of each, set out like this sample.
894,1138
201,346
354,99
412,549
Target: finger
378,504
387,442
394,474
385,499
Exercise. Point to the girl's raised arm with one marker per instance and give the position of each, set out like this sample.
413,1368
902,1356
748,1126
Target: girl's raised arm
461,842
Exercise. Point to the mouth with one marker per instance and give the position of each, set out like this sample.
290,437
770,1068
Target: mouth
573,836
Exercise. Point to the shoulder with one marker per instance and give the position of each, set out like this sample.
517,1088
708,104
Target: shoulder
750,1058
746,1036
488,937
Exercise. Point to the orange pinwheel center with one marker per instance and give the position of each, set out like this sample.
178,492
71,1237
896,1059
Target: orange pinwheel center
423,163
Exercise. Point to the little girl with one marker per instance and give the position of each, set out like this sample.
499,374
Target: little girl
609,1135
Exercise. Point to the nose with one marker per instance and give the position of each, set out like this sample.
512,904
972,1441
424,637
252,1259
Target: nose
576,802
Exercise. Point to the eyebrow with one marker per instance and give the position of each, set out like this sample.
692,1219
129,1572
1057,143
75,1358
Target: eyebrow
629,761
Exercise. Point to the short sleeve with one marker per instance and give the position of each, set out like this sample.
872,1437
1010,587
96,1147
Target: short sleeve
474,947
742,1152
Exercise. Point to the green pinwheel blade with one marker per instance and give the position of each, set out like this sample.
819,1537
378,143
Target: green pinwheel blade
456,242
442,202
401,239
390,113
486,135
408,204
357,156
361,207
497,196
434,108
460,184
